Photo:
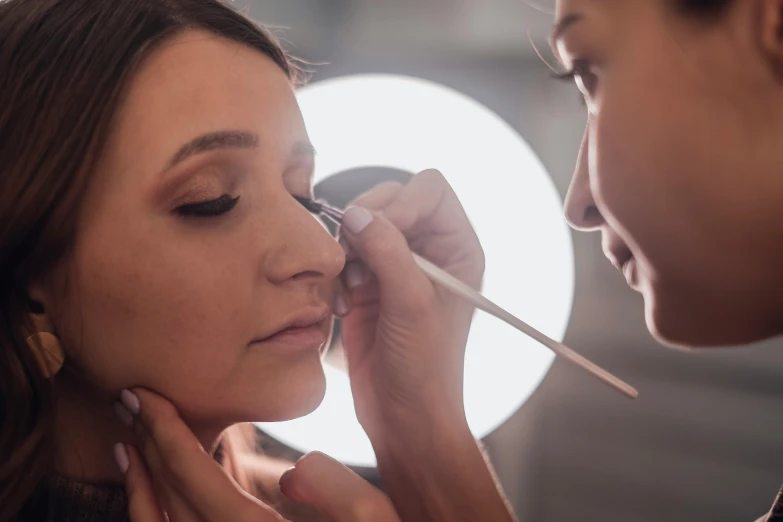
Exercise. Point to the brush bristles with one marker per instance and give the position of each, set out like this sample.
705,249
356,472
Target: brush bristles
309,204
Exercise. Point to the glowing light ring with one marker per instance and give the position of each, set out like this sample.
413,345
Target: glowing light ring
411,124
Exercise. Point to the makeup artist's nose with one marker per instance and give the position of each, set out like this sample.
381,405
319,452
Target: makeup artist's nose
304,250
581,211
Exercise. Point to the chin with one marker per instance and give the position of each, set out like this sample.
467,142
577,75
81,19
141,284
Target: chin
290,394
295,397
693,325
305,403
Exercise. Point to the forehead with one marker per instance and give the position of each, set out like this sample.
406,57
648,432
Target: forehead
609,14
566,7
197,83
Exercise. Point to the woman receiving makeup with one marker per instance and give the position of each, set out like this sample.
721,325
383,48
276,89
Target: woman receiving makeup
160,285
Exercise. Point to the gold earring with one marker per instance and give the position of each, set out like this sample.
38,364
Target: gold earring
49,352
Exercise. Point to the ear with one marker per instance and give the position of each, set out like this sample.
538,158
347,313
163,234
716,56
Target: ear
40,306
770,33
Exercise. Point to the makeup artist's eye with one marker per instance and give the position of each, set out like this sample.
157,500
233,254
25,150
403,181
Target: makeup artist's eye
211,208
582,73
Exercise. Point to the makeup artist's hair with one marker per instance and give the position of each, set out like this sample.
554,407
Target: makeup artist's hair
704,8
64,65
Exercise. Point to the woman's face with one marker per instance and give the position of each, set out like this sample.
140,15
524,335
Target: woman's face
680,168
175,284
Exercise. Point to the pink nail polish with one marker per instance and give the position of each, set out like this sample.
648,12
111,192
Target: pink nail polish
340,305
355,275
356,219
130,401
121,456
123,414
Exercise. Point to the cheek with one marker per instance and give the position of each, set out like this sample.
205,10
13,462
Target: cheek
649,171
146,307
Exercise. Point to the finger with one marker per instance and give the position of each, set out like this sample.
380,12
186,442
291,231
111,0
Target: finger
170,501
169,445
379,196
428,200
361,284
428,207
375,199
336,491
343,302
385,250
355,274
143,505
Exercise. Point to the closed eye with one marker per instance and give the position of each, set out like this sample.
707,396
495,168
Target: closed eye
211,208
582,74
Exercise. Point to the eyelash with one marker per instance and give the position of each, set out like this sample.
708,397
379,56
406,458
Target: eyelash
579,71
212,208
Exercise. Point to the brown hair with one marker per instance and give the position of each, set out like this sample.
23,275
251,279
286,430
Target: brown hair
64,66
704,8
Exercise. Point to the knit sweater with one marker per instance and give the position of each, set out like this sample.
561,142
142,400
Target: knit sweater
71,500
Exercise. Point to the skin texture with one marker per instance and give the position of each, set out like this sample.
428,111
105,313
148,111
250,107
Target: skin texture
680,164
151,298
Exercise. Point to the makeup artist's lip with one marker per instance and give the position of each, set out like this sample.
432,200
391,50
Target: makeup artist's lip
303,329
623,260
629,271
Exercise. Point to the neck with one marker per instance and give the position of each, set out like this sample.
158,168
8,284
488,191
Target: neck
87,428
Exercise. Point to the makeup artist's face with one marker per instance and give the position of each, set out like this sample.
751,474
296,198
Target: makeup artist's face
680,165
189,259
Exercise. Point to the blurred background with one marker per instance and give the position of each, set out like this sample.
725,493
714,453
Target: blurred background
705,439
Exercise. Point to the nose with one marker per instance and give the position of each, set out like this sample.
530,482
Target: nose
303,249
581,211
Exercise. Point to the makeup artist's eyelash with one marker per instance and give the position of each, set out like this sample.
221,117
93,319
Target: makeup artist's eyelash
579,70
212,208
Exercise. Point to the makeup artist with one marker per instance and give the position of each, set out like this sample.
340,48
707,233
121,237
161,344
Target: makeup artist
681,166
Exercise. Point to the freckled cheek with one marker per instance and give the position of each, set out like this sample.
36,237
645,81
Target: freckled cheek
161,314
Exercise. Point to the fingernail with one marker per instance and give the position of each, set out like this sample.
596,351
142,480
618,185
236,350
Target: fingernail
286,482
356,219
130,401
355,275
340,305
125,416
121,456
346,246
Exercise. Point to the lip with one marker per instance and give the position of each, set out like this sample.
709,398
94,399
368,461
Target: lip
623,260
302,329
628,268
618,256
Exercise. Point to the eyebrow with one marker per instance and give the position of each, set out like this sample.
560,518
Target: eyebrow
563,25
214,141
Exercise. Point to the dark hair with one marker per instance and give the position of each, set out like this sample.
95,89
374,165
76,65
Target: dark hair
64,65
710,8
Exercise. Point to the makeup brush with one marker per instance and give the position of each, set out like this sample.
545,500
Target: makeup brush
451,283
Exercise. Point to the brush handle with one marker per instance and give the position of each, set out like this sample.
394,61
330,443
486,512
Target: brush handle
456,286
449,282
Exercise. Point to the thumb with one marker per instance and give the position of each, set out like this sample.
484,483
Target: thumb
385,250
334,490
